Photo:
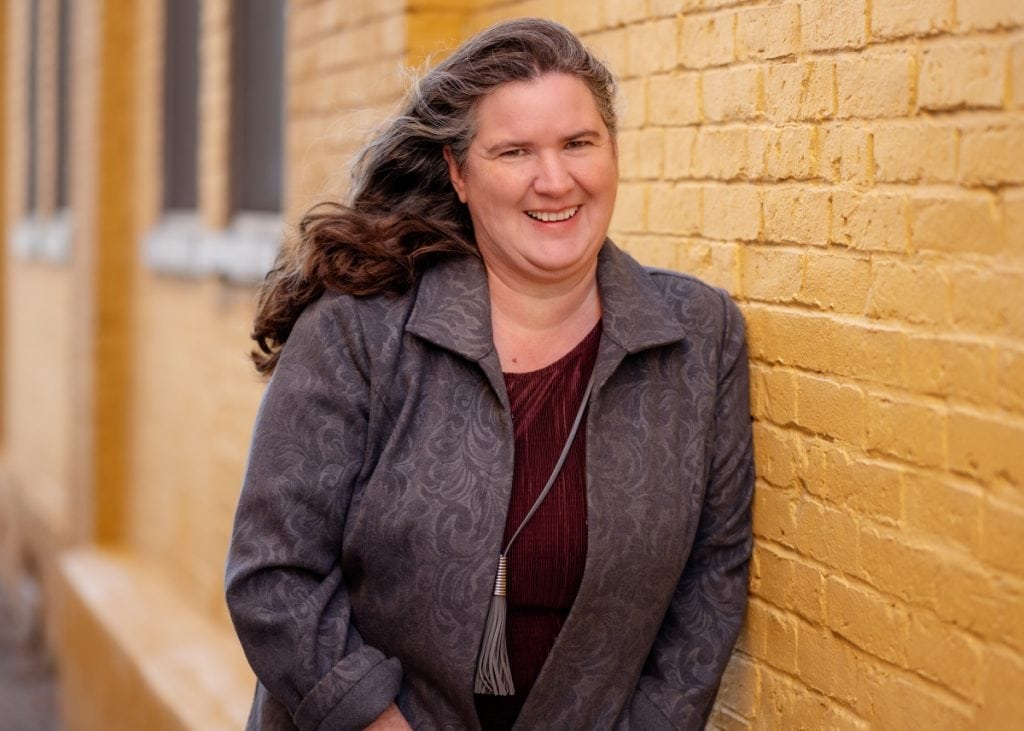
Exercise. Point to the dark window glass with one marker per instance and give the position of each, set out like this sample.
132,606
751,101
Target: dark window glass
31,102
181,104
63,102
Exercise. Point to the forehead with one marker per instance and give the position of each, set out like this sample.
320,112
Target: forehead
552,103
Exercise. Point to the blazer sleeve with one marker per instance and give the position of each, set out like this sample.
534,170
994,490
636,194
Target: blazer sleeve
680,679
286,592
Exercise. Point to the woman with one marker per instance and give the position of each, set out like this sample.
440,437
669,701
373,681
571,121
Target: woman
432,345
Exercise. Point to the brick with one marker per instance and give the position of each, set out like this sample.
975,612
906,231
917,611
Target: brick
988,301
634,93
740,685
778,389
831,409
917,293
768,32
797,214
658,8
621,12
731,93
707,40
992,156
752,634
959,74
724,271
942,508
649,162
628,148
774,517
943,654
675,99
1000,697
803,90
1017,73
612,47
986,446
836,282
872,488
652,47
1010,379
947,366
825,664
912,431
583,18
891,700
679,151
829,536
630,207
787,582
655,251
1013,218
972,597
1002,525
789,152
989,14
720,153
869,221
871,621
833,24
771,275
674,208
781,636
914,153
845,154
875,85
893,565
963,222
898,19
732,212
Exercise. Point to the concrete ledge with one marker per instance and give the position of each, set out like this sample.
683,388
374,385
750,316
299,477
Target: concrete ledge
133,655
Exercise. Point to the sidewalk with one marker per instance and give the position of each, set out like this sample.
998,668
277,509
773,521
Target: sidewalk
28,698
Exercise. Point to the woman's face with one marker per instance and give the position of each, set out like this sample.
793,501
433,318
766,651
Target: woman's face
539,180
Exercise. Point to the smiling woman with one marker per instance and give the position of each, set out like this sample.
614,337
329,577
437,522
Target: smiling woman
502,473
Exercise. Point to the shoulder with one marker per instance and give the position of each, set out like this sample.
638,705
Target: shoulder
695,296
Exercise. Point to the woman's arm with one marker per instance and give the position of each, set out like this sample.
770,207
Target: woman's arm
286,593
679,682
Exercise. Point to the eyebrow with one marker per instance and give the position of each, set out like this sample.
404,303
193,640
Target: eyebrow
512,144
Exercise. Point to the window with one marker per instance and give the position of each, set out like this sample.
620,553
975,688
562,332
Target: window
181,105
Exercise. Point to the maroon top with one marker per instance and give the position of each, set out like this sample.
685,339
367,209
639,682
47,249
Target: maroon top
545,565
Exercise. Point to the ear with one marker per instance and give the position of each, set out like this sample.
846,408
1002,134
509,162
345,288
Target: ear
454,174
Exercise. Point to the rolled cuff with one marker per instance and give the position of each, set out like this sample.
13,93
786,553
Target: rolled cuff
350,697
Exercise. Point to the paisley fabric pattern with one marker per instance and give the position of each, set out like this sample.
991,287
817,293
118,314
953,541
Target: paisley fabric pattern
373,506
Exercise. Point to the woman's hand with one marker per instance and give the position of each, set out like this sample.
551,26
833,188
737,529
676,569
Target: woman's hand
391,720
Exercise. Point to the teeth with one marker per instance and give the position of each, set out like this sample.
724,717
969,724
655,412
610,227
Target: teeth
551,217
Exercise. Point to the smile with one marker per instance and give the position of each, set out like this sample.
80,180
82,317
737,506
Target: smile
553,216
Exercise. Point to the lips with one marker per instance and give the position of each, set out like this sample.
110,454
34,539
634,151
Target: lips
553,216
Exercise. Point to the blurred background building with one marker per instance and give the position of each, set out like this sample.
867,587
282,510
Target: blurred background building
852,171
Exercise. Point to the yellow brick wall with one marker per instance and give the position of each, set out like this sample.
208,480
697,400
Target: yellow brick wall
853,173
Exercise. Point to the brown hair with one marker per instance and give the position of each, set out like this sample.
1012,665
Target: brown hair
403,214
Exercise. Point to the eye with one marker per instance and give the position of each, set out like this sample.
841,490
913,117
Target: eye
513,152
577,144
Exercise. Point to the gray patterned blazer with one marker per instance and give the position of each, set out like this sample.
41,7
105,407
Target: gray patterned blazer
364,547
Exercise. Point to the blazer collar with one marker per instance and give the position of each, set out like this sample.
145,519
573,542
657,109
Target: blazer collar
452,308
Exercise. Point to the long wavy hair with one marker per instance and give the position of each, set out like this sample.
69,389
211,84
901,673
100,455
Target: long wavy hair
402,214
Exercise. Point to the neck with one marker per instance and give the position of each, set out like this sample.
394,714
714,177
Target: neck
536,324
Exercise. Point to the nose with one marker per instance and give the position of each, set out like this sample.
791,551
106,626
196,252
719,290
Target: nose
553,176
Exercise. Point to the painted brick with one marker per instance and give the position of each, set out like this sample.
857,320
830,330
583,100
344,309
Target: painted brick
871,621
876,85
583,18
731,93
752,634
630,207
989,14
845,154
941,508
781,636
732,212
1017,73
674,208
768,32
970,596
771,275
655,251
827,666
650,152
897,19
786,153
790,582
912,431
942,366
797,214
803,90
628,146
914,153
672,7
956,223
831,408
612,47
836,282
720,153
633,94
675,98
707,40
620,12
1000,696
1010,380
779,392
832,24
893,565
679,151
774,514
652,47
992,156
959,74
891,700
725,266
741,685
917,293
869,487
943,654
977,446
1002,525
988,301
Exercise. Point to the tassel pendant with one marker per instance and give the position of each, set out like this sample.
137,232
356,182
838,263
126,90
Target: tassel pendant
493,674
